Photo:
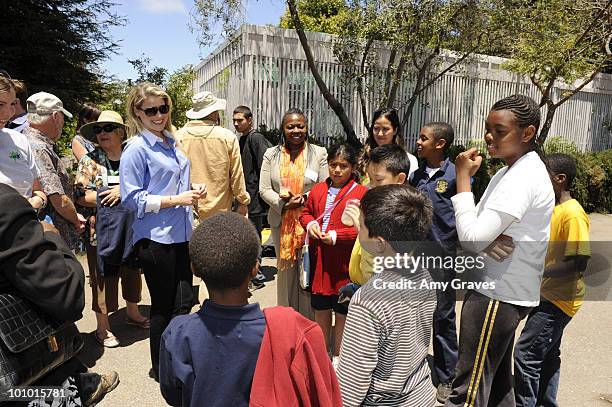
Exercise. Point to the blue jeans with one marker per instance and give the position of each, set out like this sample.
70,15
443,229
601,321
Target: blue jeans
537,357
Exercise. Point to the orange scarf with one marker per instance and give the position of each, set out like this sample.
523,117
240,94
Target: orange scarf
291,231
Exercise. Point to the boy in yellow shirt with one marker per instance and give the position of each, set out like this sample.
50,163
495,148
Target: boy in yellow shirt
537,361
388,164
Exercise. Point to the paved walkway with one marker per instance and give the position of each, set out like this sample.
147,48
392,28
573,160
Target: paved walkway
586,374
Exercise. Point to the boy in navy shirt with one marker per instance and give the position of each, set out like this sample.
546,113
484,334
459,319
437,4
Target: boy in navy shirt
208,358
436,178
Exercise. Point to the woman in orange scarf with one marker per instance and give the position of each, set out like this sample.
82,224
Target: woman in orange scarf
288,172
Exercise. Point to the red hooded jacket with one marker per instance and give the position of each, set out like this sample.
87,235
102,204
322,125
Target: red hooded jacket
293,368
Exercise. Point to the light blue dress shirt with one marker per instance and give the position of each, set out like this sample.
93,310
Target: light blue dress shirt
150,169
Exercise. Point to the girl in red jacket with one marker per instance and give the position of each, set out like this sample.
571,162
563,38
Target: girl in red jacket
331,241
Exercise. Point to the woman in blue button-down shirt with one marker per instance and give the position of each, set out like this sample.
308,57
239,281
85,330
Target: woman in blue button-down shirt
155,185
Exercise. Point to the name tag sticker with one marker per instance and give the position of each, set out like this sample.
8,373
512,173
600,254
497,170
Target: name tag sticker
311,175
113,179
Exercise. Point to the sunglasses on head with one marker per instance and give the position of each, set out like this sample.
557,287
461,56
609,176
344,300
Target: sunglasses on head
152,111
107,128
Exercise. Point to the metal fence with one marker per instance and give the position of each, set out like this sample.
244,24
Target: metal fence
265,69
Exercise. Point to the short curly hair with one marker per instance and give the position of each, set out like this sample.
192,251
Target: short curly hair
223,250
559,163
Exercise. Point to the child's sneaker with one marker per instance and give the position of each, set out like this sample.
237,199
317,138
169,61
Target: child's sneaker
444,390
335,362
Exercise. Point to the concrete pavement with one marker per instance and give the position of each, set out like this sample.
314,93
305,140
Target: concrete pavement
586,352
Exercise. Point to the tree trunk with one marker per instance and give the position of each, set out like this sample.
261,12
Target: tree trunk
388,78
422,71
349,130
550,114
362,74
397,78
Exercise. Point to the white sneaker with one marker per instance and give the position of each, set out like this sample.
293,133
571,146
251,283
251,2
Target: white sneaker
335,362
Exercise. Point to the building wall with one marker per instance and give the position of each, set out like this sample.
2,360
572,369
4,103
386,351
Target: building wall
265,68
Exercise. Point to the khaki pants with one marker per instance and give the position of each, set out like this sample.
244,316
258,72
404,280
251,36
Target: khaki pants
105,289
288,290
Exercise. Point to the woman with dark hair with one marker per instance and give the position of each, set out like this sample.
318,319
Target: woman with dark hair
386,129
80,144
288,172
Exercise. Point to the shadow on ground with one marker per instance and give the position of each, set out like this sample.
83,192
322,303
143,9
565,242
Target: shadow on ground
269,272
126,334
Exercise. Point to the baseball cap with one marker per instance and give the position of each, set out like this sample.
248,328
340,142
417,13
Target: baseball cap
46,103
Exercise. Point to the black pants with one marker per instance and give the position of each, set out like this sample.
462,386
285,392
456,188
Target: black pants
257,221
444,340
168,275
483,376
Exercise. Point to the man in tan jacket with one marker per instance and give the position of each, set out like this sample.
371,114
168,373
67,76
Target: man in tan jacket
214,153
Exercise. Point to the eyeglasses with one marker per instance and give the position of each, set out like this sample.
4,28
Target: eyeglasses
152,111
107,128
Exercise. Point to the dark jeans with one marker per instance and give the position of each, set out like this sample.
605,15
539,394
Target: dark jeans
537,358
168,275
486,338
445,348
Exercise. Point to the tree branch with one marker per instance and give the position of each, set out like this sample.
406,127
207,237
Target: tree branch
448,68
578,89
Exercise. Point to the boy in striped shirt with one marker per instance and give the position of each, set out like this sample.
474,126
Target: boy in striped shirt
388,327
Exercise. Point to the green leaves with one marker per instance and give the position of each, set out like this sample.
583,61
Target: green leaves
180,90
326,16
555,41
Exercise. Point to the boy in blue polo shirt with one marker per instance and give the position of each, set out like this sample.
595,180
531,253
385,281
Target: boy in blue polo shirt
208,358
436,178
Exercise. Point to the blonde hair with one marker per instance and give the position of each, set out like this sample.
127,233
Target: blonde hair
135,99
6,84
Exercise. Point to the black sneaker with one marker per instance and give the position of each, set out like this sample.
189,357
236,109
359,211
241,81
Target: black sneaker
153,375
107,383
268,251
444,390
256,285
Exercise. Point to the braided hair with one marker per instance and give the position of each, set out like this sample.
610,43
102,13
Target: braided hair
526,113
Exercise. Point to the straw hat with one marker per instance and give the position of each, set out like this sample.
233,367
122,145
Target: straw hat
204,103
106,117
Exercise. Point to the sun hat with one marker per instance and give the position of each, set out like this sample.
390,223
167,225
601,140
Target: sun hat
44,103
106,117
204,103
